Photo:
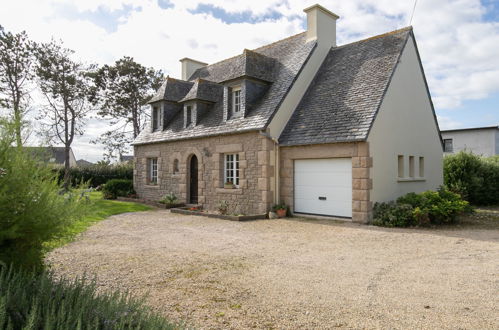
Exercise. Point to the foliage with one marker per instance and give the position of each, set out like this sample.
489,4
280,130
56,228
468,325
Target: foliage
16,75
280,206
117,188
473,177
121,92
429,207
40,301
65,85
32,208
98,174
169,199
223,207
98,209
393,214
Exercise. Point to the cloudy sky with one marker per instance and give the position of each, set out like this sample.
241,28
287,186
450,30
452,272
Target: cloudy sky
458,40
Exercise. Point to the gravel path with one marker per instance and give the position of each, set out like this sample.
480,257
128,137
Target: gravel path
291,273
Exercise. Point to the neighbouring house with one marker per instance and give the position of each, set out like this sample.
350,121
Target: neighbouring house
326,129
52,155
483,141
83,163
126,159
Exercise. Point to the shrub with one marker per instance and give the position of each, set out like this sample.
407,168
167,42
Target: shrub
473,177
436,207
38,301
117,188
392,214
169,199
98,174
429,207
33,208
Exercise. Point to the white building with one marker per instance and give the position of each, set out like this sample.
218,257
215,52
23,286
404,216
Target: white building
483,141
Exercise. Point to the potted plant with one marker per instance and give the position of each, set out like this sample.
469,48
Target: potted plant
170,200
281,210
223,206
229,185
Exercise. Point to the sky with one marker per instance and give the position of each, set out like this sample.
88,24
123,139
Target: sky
458,40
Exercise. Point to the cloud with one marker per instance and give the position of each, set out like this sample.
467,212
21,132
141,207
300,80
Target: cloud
458,40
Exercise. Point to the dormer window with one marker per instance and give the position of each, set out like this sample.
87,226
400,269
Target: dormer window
155,118
236,100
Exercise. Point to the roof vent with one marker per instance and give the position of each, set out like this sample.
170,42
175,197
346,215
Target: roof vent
189,66
321,25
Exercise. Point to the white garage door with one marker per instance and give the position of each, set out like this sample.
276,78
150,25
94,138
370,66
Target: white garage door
323,186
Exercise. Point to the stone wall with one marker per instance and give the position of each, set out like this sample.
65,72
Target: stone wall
361,163
256,157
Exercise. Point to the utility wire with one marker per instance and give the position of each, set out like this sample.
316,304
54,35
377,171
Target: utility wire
413,10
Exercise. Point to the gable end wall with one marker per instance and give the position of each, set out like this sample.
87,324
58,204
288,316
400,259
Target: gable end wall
405,125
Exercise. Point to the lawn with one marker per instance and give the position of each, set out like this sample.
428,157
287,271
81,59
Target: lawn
99,209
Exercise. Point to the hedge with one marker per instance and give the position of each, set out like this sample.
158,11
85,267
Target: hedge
117,188
473,177
97,175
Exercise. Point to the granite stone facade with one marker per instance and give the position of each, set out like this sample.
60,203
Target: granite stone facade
257,154
256,158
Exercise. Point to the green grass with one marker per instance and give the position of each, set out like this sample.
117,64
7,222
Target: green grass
99,209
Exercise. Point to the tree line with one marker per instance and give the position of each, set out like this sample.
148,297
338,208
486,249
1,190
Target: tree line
71,91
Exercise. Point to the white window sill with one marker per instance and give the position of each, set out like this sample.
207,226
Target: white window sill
411,179
235,191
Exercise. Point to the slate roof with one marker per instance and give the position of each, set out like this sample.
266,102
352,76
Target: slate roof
54,155
172,90
249,64
342,101
287,55
204,90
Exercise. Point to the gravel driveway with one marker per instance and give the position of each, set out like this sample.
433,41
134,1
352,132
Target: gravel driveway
292,273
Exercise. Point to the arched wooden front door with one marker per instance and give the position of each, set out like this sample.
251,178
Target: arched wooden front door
193,178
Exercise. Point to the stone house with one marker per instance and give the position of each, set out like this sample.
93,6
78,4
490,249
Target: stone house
326,129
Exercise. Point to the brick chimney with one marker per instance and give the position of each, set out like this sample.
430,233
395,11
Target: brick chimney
189,66
321,25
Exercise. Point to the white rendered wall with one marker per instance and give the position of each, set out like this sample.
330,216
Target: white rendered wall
405,125
480,141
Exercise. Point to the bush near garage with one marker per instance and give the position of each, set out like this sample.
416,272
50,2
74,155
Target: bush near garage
473,177
429,207
117,188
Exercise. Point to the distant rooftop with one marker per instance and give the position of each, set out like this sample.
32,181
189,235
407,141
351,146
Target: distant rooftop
469,128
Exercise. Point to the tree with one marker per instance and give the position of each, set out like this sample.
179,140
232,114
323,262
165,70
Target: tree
65,85
16,74
121,91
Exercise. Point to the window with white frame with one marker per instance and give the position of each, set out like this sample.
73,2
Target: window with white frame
236,99
231,169
152,171
188,115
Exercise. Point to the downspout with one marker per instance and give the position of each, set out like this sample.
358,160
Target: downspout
277,164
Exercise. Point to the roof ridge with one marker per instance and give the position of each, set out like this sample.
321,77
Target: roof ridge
255,49
407,28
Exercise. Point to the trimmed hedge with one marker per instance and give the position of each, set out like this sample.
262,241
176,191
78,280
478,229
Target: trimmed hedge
117,188
429,207
39,301
473,177
97,175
